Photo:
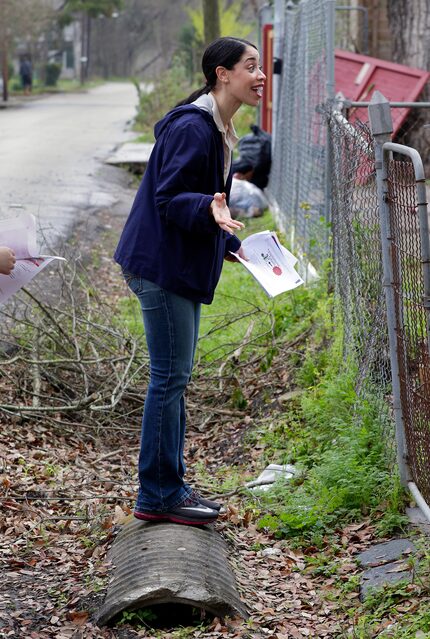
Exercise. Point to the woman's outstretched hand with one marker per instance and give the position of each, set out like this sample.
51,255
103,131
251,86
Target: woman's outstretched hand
222,216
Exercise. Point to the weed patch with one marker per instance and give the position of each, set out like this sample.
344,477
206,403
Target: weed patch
336,442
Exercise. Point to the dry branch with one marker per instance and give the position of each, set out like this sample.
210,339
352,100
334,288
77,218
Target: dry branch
72,365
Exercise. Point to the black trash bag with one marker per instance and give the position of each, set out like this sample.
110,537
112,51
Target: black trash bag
246,199
255,159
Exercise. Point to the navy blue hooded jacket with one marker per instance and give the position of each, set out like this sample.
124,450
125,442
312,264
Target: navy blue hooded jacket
170,237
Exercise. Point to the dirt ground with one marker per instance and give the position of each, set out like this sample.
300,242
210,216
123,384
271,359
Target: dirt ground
65,493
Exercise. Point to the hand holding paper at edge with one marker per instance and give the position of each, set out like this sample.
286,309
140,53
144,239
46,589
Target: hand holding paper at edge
19,234
7,260
271,264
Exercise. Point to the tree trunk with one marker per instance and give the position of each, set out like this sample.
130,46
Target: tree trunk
410,27
4,49
211,20
5,71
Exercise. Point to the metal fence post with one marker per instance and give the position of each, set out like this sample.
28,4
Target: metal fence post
382,126
278,43
330,89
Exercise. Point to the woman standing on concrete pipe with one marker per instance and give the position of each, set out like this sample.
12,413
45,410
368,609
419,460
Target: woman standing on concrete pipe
171,252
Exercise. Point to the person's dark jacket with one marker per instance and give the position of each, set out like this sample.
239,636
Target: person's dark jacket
25,69
170,237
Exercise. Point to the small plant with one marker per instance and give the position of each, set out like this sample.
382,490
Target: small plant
51,470
336,437
97,584
238,399
140,618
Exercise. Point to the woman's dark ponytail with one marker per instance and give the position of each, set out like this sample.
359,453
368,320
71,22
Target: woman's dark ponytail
194,95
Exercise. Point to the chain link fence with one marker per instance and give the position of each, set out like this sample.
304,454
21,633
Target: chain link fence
410,281
297,181
357,265
321,159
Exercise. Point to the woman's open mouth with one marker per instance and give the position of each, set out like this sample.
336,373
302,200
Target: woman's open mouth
258,90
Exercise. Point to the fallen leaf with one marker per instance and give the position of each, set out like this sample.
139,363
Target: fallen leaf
119,516
78,617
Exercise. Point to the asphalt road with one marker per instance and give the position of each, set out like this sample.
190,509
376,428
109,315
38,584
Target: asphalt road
52,151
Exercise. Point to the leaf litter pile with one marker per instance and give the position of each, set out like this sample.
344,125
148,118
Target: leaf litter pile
71,398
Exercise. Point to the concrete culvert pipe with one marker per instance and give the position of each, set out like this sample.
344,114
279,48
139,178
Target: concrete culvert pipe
167,563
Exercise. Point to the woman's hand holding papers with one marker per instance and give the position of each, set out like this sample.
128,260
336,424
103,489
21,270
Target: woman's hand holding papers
7,260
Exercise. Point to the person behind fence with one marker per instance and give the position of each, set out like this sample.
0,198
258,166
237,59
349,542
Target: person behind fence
7,260
255,159
171,252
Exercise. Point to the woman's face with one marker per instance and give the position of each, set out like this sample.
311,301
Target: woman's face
246,79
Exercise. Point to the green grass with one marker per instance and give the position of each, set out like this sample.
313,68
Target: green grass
238,301
335,438
242,312
144,138
62,86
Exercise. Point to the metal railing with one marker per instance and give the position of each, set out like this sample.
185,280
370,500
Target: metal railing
406,244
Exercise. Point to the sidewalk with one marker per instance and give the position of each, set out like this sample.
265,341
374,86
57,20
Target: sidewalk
12,102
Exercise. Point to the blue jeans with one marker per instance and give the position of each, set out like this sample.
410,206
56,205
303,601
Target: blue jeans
171,329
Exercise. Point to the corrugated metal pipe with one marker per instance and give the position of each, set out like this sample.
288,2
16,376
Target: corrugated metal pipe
167,563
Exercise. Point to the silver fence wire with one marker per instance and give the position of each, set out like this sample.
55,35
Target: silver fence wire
299,187
357,265
310,137
414,129
297,181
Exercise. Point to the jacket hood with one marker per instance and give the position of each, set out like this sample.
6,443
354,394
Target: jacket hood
177,112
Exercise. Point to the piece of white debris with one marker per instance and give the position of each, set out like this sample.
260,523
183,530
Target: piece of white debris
270,474
271,552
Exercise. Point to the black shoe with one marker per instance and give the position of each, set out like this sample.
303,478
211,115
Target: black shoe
191,512
205,502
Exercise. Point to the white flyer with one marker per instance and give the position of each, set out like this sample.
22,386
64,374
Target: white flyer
270,263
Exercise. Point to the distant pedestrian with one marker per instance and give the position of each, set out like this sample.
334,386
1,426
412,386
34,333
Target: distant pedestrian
171,251
26,74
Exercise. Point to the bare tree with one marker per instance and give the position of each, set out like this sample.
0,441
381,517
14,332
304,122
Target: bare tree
23,22
399,30
211,19
4,44
141,40
410,26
